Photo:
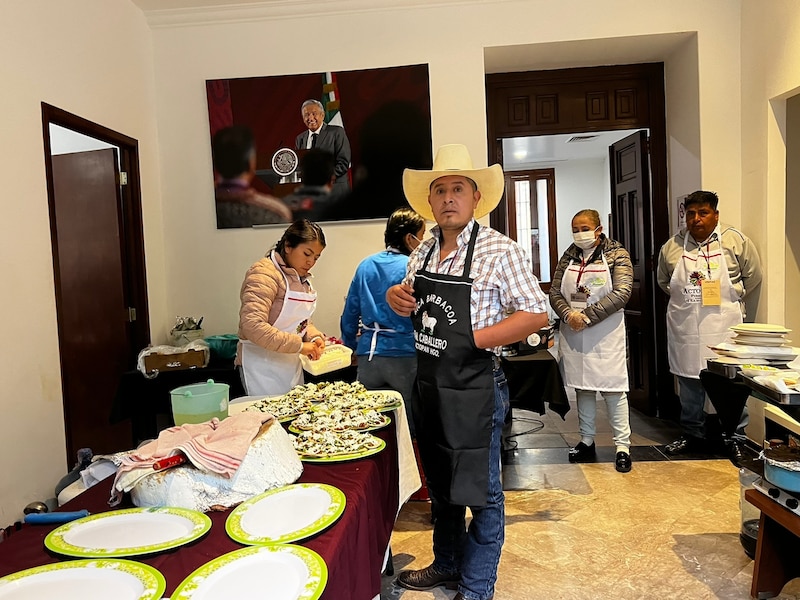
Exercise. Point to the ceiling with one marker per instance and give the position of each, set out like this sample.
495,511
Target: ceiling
532,152
151,5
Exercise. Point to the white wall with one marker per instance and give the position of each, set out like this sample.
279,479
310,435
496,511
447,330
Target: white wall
770,74
452,42
580,184
92,58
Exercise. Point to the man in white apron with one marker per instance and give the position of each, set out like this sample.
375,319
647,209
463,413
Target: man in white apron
707,270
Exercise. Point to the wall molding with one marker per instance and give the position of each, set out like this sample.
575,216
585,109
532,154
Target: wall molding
289,9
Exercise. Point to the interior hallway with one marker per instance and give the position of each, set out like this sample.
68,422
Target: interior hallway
668,529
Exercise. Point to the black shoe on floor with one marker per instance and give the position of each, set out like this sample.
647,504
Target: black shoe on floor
582,453
685,445
623,462
427,578
735,453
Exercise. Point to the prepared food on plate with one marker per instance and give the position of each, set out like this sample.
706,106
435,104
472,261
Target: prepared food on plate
281,407
317,392
340,420
330,443
362,401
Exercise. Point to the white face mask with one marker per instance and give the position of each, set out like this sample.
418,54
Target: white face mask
584,239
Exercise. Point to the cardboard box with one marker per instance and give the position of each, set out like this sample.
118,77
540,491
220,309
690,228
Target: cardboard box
190,359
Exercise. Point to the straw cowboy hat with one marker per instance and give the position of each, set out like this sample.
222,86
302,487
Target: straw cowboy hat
454,159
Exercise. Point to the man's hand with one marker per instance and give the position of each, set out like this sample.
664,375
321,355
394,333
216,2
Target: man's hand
401,298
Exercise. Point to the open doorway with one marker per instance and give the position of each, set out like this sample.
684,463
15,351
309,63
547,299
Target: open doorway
99,278
565,173
588,101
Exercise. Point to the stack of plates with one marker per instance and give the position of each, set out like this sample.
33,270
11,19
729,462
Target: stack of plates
760,343
760,334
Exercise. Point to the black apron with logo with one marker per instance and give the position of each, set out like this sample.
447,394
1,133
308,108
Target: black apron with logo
453,402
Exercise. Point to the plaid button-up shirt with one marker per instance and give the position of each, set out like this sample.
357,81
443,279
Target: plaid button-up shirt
503,281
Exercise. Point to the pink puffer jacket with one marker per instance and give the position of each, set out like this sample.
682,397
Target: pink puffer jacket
262,295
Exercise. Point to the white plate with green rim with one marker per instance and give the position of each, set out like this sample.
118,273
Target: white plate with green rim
276,571
128,532
87,579
286,514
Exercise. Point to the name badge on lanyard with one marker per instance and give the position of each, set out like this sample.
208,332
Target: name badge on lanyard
712,295
709,288
579,300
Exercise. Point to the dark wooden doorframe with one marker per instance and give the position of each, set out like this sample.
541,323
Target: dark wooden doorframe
131,234
591,99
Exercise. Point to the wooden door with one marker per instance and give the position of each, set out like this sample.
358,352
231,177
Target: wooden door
92,307
630,194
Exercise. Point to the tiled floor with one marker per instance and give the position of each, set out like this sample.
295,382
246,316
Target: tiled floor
668,529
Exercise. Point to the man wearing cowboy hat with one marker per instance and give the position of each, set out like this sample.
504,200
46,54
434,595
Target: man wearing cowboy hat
469,290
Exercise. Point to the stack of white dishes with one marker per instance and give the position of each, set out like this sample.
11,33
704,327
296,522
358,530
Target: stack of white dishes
758,342
760,334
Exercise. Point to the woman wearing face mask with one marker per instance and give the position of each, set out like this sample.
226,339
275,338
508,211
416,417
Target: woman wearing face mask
590,288
275,316
383,340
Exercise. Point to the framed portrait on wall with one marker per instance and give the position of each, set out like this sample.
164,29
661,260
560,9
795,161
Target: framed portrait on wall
322,146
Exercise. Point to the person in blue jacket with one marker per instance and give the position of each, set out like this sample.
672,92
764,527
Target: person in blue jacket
382,340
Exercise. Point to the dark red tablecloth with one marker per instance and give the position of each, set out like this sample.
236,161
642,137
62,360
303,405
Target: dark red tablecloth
353,548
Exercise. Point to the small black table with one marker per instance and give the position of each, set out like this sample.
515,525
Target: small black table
728,397
533,380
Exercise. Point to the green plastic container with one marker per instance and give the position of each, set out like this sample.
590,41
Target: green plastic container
200,402
223,346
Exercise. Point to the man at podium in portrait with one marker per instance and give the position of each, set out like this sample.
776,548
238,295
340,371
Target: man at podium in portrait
330,138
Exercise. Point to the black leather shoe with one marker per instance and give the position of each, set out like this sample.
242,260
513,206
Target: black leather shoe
460,596
623,462
735,453
685,445
427,578
582,453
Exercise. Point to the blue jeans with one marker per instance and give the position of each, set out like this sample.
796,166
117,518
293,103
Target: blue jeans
693,400
475,552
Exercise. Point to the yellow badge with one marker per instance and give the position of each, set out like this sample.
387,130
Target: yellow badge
711,292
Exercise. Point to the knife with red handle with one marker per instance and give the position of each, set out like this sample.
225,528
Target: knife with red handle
170,461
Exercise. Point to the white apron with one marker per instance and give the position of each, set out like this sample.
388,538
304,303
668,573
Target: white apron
268,373
692,327
593,358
